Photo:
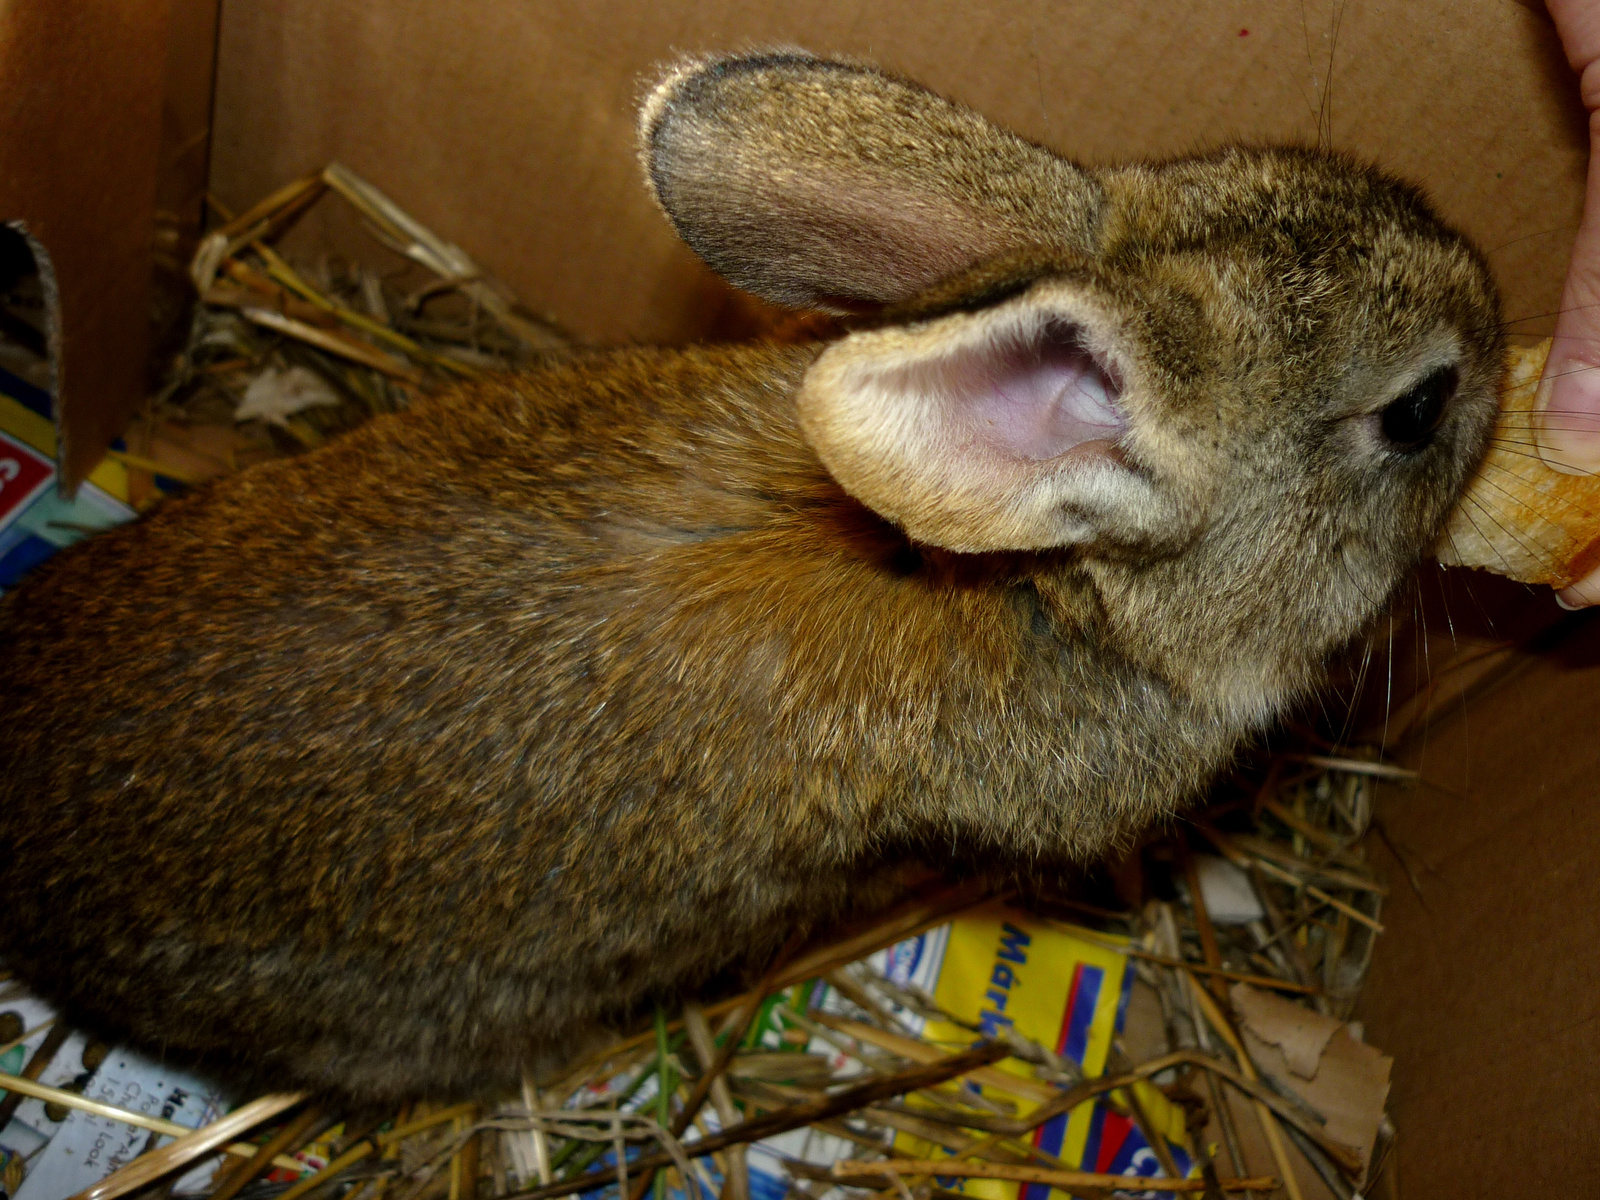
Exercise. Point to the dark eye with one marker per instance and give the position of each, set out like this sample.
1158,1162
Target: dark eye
1409,421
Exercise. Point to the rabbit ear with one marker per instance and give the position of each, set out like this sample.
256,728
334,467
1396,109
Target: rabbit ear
1002,429
824,184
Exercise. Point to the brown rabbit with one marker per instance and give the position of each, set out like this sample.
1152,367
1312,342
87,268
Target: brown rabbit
406,766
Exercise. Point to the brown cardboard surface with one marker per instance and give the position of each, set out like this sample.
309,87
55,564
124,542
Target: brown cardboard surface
1486,988
508,126
185,163
80,108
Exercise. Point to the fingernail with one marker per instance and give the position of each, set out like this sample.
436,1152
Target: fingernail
1582,594
1569,417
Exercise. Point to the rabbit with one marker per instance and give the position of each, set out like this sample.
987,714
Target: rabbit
416,764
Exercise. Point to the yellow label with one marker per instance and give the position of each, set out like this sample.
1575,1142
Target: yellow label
1003,969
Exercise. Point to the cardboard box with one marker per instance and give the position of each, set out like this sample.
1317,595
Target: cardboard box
508,126
82,93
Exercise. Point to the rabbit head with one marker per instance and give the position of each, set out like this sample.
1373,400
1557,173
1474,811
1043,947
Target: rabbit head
1241,391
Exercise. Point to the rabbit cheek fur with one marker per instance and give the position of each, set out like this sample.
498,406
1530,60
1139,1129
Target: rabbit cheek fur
412,765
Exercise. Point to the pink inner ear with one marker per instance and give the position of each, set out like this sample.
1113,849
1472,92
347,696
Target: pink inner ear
1039,397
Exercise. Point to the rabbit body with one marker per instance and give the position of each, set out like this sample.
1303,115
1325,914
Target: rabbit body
534,720
411,765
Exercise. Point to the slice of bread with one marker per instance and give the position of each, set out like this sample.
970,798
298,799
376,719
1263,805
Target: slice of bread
1520,518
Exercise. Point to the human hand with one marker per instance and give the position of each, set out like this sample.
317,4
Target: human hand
1569,434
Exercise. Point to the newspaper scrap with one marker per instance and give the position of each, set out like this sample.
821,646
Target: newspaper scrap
60,1151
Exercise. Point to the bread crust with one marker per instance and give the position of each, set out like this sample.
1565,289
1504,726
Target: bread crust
1520,517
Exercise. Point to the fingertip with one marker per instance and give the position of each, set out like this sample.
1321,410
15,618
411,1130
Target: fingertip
1583,594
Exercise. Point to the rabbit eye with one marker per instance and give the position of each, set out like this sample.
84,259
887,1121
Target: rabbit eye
1409,421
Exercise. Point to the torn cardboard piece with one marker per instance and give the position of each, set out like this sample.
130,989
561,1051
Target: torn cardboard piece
1300,1034
1317,1059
